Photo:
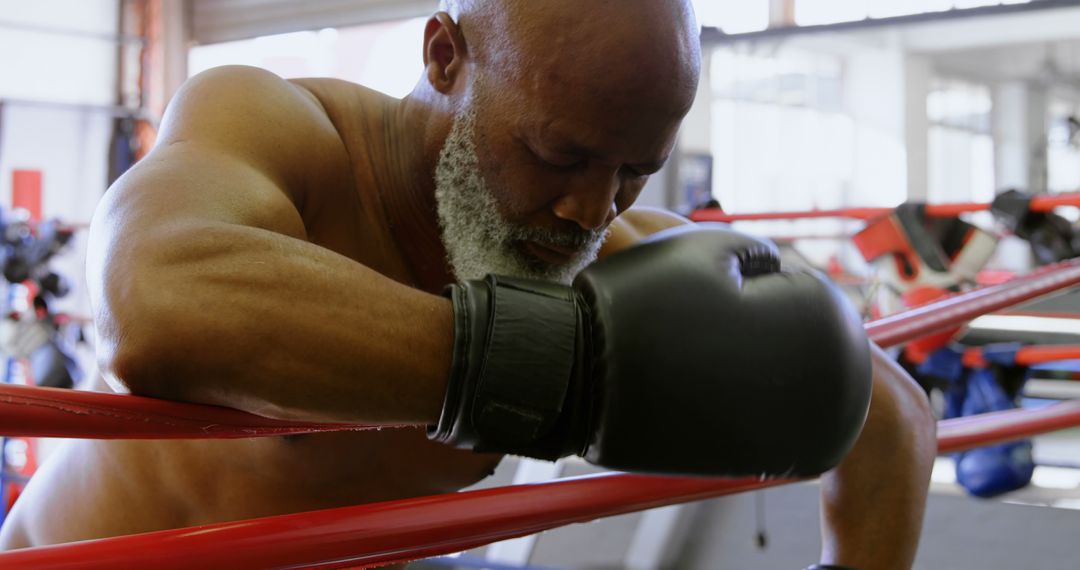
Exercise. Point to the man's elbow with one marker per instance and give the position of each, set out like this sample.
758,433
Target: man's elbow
138,367
145,356
901,408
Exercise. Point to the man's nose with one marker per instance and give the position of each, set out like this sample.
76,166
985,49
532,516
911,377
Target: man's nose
589,200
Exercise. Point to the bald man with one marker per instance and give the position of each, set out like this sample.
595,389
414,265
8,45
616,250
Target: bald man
283,249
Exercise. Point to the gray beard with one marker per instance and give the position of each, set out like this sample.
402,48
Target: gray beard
478,240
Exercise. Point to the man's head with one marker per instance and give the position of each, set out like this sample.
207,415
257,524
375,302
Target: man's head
555,114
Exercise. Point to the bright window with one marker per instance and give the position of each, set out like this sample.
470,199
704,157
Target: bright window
781,138
386,57
1063,149
961,145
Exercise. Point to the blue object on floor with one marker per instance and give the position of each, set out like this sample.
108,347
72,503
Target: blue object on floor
996,469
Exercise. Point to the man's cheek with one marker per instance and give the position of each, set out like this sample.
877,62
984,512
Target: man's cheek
628,195
536,189
515,191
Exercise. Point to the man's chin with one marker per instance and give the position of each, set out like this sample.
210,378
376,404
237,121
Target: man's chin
544,266
554,258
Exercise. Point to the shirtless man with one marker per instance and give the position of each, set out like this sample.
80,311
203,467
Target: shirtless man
280,252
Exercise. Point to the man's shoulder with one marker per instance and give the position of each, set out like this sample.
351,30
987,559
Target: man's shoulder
247,110
235,103
303,132
241,91
636,224
340,98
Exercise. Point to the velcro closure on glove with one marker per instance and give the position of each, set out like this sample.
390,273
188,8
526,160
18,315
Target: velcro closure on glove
523,381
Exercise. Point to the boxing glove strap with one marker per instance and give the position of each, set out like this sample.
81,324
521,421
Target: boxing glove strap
514,351
829,567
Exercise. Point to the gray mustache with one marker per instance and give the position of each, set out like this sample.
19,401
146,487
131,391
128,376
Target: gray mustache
572,239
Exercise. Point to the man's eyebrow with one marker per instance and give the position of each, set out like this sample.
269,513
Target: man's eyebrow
564,145
654,166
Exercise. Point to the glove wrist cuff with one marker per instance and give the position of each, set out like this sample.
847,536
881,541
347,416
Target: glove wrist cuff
515,349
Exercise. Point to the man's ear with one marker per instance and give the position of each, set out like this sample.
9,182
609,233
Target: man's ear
444,52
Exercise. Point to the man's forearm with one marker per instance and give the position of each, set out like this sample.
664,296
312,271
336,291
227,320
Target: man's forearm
240,317
873,503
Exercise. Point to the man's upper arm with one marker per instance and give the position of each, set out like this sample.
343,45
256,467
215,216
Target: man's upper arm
238,145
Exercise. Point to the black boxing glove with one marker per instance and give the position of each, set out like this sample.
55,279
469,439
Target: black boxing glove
829,567
689,354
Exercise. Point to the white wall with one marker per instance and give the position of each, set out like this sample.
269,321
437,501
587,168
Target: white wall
43,65
387,57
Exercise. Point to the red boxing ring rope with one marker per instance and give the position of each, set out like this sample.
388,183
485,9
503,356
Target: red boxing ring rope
927,319
396,531
1026,356
960,434
1038,204
399,531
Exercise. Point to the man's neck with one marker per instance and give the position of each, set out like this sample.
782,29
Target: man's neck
409,200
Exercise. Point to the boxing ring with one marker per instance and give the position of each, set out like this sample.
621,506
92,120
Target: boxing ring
405,530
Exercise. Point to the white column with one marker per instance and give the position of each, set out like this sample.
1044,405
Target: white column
917,75
1010,135
1020,136
1038,104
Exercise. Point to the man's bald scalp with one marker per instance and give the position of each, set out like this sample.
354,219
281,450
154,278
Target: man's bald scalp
632,39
